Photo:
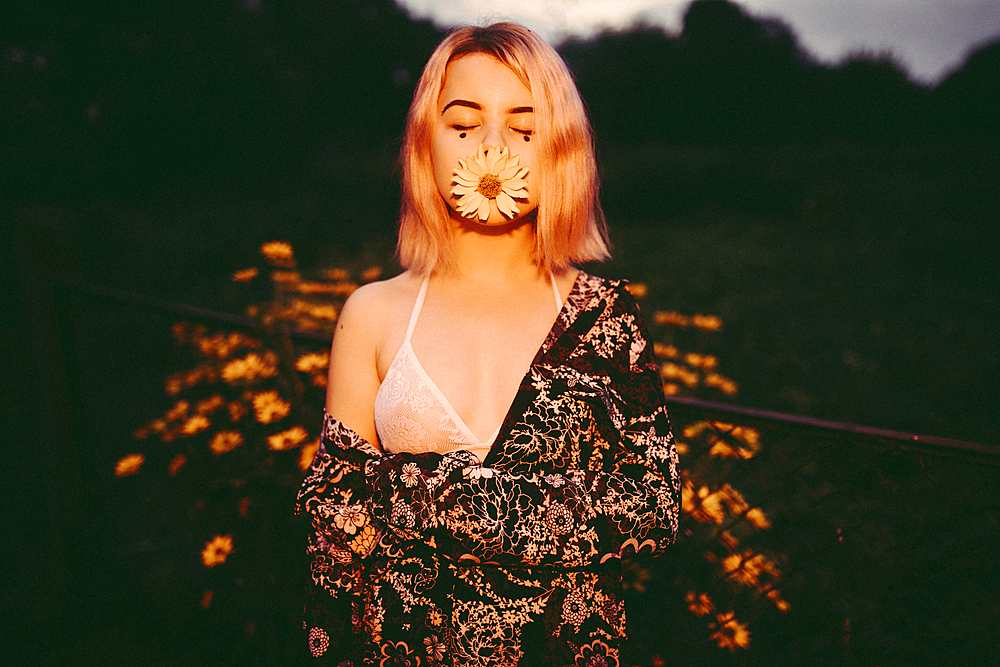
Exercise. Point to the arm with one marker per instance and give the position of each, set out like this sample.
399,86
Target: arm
353,380
333,491
627,503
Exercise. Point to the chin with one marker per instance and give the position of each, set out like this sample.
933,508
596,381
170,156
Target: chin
496,219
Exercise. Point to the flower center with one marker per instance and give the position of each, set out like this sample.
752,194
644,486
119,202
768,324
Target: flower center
490,186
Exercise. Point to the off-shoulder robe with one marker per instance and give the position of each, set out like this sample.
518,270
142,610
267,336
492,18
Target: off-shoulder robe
430,559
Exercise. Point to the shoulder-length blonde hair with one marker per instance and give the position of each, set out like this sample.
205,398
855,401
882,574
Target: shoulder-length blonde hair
569,224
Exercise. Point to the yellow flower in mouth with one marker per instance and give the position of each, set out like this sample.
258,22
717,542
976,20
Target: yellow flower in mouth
491,174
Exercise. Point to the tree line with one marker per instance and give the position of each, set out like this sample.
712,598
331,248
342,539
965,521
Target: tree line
137,98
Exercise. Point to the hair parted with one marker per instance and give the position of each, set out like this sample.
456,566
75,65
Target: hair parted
569,224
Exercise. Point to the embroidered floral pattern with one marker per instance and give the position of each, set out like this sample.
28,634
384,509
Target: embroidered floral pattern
583,472
319,641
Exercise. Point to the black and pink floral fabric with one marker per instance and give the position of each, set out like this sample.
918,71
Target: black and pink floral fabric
431,559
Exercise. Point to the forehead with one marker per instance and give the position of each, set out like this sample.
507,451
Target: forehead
481,78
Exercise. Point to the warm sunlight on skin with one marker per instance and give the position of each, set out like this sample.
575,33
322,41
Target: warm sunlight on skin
482,102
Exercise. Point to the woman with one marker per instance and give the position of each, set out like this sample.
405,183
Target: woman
495,439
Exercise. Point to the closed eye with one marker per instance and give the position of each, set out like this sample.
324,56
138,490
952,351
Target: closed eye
526,133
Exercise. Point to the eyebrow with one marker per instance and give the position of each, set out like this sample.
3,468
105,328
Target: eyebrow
477,107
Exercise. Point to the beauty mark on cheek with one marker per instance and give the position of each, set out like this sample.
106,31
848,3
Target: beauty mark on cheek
493,173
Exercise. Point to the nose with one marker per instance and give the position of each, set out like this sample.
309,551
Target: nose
494,134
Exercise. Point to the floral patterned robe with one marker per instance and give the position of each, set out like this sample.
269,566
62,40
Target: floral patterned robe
430,559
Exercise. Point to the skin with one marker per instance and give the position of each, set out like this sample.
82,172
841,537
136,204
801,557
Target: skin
481,323
504,118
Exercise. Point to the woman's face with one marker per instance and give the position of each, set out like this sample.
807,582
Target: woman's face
483,102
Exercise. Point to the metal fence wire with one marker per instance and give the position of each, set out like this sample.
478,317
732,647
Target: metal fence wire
874,548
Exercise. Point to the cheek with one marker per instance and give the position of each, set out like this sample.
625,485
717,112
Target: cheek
444,160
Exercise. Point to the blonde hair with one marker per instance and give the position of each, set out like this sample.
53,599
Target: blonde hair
569,223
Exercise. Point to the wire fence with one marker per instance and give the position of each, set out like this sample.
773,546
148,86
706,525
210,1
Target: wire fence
830,543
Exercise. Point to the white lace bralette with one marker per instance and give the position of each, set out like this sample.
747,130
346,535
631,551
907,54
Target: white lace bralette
412,414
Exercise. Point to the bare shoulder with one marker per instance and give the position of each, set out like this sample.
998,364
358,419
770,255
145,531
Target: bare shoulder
367,321
370,307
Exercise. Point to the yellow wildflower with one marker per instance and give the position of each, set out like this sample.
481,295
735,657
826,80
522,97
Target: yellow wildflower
312,287
747,567
694,430
270,407
731,634
176,464
308,452
245,275
179,411
345,288
733,499
371,273
671,389
217,550
775,596
220,345
195,424
286,276
707,322
173,385
210,405
337,274
661,350
236,411
671,318
703,505
671,371
320,380
226,441
192,377
729,540
279,253
250,368
287,439
750,436
699,605
129,465
180,331
312,362
638,290
682,448
758,519
723,449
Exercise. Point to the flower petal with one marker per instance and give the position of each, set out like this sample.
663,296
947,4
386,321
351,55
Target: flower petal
484,209
506,205
467,175
509,172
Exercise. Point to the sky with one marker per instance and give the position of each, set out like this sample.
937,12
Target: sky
930,37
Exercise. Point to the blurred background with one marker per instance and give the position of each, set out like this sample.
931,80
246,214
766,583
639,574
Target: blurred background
831,200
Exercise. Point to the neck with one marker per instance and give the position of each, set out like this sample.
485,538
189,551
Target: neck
494,255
